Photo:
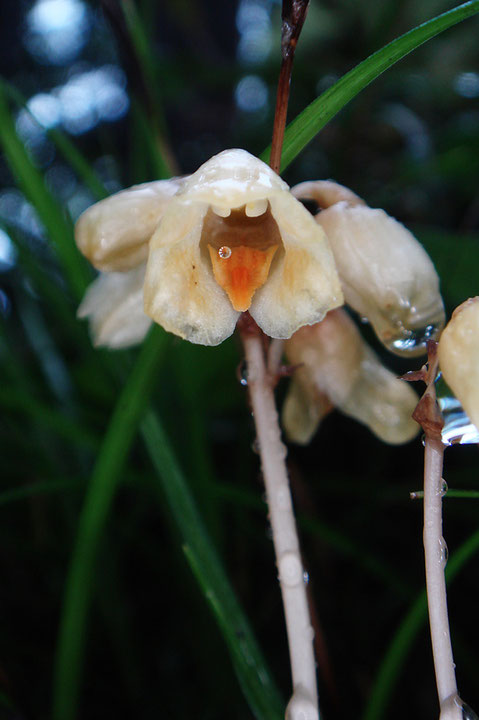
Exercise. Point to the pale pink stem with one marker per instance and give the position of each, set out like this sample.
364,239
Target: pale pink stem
435,552
304,702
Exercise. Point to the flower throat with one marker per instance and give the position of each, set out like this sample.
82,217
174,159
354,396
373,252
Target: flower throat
241,249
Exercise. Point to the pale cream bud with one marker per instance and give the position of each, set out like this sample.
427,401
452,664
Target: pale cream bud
458,354
335,363
386,275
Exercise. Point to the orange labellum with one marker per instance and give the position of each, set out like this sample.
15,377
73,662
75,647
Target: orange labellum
242,273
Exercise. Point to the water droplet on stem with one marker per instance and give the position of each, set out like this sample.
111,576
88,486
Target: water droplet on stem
443,551
242,373
453,708
443,489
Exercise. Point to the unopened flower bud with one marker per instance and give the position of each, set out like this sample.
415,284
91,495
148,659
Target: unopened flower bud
458,354
386,275
335,364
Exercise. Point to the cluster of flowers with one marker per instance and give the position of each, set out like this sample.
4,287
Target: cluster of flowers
193,253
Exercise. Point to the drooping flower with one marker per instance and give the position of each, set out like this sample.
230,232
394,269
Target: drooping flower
386,275
229,238
458,354
193,253
390,281
335,367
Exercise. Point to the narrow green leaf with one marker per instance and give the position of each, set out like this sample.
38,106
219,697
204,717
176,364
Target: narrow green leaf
463,494
308,123
400,646
37,488
69,151
161,156
78,163
105,479
153,156
49,212
255,679
67,427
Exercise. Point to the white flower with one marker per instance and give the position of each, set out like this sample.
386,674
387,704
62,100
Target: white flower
232,237
114,304
337,368
229,238
458,354
386,275
114,233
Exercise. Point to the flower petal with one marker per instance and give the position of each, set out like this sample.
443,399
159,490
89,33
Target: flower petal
113,234
231,179
303,284
240,271
326,193
304,408
386,276
336,362
459,356
181,293
114,306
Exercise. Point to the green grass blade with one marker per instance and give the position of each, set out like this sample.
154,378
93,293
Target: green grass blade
78,163
463,494
250,666
38,488
59,229
161,156
71,154
67,427
401,644
103,484
308,123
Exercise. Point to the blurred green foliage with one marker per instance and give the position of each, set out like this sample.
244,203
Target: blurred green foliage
123,472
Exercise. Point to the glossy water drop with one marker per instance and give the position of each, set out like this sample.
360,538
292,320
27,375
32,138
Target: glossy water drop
405,326
242,373
467,712
306,577
458,429
224,252
456,709
443,489
410,341
255,446
443,551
